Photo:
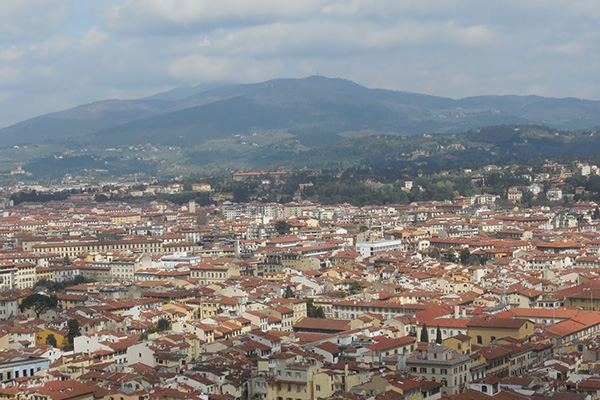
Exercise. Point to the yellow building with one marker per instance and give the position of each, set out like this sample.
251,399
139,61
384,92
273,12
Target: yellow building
588,298
125,218
285,314
43,273
201,187
333,379
292,381
208,274
459,343
71,300
483,331
189,311
42,336
298,306
25,277
205,307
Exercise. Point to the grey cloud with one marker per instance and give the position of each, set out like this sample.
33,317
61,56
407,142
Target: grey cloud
50,60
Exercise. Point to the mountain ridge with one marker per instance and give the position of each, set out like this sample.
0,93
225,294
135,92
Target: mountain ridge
304,107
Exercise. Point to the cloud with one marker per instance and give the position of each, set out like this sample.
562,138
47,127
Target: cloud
94,37
61,53
30,19
181,16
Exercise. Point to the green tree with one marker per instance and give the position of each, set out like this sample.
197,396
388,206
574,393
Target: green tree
450,256
39,303
51,340
312,311
438,335
163,324
101,198
202,219
319,312
282,227
355,287
434,252
72,333
464,256
67,261
288,293
424,334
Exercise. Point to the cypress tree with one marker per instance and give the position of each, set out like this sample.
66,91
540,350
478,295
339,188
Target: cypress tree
424,334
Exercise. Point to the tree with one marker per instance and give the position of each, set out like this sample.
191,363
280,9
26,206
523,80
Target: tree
464,256
288,293
319,312
424,334
450,256
355,287
67,261
314,312
434,252
282,227
72,333
39,303
163,324
101,198
201,219
51,340
438,335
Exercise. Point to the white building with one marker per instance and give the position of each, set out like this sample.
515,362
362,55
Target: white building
367,249
554,194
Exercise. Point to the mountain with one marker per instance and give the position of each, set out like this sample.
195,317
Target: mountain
314,110
181,92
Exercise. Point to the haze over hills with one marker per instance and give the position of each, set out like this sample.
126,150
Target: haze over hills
313,108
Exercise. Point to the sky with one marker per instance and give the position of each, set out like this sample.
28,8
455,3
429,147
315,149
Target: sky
57,54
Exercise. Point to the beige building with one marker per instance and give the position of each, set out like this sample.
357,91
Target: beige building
483,331
17,276
72,249
208,274
438,363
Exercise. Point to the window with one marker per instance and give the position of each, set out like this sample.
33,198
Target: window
318,386
479,339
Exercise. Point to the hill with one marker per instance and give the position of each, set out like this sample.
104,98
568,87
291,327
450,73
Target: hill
313,108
